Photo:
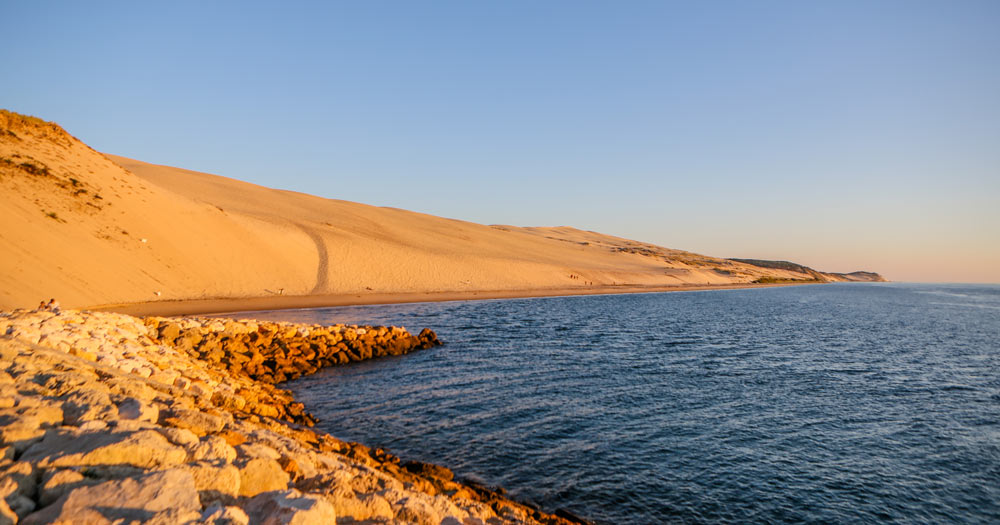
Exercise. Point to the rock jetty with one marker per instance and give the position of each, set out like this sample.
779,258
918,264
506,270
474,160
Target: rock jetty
108,418
273,352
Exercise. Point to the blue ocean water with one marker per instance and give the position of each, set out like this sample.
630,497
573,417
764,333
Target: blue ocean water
844,403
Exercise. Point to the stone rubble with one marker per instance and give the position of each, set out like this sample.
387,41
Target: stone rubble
108,418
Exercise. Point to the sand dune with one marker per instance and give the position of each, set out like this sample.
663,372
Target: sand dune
94,229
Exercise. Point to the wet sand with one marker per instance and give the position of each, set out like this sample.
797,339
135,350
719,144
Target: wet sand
282,302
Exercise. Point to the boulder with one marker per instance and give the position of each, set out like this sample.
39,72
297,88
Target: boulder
257,450
259,475
169,331
212,448
96,425
218,515
24,475
364,507
7,514
83,353
179,436
414,508
68,447
7,395
232,437
428,338
171,517
228,400
133,409
167,377
21,434
290,507
299,466
22,426
56,483
18,483
196,421
214,481
429,470
88,405
152,497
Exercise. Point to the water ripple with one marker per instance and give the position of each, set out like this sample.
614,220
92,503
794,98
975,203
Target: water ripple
840,403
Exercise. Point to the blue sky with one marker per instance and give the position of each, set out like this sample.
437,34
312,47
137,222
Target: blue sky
842,135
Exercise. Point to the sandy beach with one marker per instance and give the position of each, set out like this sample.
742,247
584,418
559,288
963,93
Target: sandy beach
281,302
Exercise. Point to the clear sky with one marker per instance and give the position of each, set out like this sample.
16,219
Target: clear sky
842,135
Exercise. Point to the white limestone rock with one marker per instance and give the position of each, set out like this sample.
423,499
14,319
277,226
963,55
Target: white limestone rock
132,408
290,507
219,515
25,424
147,498
196,421
181,437
88,405
414,508
259,475
18,482
257,450
68,447
214,481
56,483
212,448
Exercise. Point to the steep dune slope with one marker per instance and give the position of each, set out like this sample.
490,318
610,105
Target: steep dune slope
79,227
95,229
392,250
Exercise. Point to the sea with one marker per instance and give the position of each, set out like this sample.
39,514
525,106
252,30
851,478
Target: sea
833,403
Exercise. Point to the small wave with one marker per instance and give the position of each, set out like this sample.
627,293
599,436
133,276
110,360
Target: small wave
969,305
958,388
941,292
679,343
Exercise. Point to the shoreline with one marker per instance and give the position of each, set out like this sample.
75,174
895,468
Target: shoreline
221,305
102,411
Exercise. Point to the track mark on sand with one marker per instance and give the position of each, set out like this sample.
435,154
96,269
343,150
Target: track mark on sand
322,277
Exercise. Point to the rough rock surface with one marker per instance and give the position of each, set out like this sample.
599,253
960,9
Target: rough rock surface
148,496
290,507
108,418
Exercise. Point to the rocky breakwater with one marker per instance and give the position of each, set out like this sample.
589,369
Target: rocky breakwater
102,423
274,352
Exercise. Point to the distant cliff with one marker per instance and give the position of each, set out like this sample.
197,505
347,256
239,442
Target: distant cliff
816,275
